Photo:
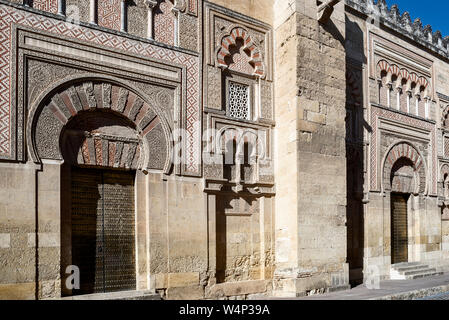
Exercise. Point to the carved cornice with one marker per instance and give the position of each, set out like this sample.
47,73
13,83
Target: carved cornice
391,18
215,186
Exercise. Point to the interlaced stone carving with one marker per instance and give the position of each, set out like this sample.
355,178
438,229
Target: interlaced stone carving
164,23
446,147
239,101
46,5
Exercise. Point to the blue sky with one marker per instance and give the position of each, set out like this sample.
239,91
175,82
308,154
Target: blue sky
433,12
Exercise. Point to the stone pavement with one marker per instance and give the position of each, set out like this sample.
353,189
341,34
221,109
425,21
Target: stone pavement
432,288
441,296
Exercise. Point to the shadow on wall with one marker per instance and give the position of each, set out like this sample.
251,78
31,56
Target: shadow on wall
355,126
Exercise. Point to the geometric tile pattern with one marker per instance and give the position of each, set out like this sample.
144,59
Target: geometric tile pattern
375,157
10,16
5,81
446,147
193,7
109,14
46,5
164,23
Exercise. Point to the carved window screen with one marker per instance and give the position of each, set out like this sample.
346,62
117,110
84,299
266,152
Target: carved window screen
239,100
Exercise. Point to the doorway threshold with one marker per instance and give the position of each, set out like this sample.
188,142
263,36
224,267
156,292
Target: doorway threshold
121,295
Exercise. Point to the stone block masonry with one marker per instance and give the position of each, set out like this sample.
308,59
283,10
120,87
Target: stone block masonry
311,213
256,148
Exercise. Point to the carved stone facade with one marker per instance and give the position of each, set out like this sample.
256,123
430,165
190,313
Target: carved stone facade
403,91
266,141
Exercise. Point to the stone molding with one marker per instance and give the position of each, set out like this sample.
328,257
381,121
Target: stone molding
97,92
248,44
111,43
406,150
401,127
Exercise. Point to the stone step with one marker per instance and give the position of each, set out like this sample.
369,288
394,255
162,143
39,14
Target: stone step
412,268
405,264
421,271
423,275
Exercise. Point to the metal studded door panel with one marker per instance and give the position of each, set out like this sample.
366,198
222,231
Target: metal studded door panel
399,229
87,240
119,234
103,233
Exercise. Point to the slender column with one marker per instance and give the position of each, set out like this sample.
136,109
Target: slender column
239,161
151,5
427,106
93,11
123,16
379,93
389,89
61,7
179,6
398,97
409,96
176,13
177,29
417,104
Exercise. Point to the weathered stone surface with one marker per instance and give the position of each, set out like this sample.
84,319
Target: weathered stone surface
185,293
340,112
183,279
17,291
237,288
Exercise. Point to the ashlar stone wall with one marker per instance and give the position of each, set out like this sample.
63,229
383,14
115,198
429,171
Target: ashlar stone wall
310,208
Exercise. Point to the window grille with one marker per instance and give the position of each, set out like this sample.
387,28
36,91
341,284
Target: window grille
239,101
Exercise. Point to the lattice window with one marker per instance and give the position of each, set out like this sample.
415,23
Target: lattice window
446,147
239,101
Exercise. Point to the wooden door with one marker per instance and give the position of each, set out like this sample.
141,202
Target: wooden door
399,228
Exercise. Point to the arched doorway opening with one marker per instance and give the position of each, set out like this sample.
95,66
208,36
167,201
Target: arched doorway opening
403,184
103,230
101,138
404,179
102,149
399,228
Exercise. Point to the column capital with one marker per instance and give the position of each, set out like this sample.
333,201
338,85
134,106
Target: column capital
150,4
180,5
